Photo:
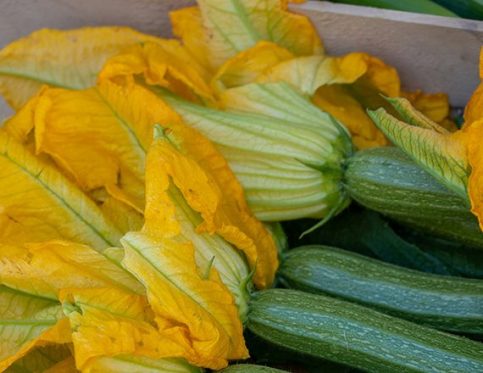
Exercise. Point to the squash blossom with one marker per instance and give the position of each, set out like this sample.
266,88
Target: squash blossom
174,293
454,158
287,154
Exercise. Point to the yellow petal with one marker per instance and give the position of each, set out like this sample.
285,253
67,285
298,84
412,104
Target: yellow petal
46,268
46,359
139,364
188,26
65,366
21,124
434,106
311,72
110,322
125,218
37,203
380,77
210,188
248,65
336,101
437,151
474,133
349,102
474,108
99,136
220,29
196,308
69,59
166,63
17,338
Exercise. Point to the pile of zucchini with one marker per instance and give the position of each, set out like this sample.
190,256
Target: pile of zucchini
390,298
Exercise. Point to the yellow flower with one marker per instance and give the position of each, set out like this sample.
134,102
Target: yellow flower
217,30
194,302
454,158
286,153
189,314
213,198
32,277
104,320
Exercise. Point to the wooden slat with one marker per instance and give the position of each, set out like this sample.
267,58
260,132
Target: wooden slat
21,17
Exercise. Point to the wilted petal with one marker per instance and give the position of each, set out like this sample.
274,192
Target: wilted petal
247,66
218,30
46,325
336,101
68,59
99,136
165,63
474,135
210,188
433,106
46,268
442,154
38,203
140,364
195,307
55,358
474,108
108,322
124,217
311,72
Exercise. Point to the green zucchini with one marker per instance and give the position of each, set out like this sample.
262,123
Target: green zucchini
472,9
443,302
344,332
250,368
416,6
388,181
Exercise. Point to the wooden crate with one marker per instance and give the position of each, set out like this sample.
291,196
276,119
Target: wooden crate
436,54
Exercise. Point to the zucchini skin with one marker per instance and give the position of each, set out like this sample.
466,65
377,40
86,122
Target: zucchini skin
250,368
472,9
351,334
416,6
389,182
443,302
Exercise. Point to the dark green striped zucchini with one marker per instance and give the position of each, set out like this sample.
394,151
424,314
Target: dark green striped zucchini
472,9
387,181
443,302
358,336
416,6
250,368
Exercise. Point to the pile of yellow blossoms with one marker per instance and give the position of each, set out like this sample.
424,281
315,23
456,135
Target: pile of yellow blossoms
131,180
